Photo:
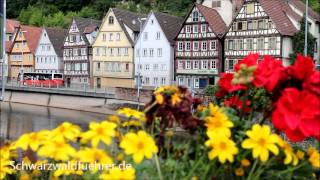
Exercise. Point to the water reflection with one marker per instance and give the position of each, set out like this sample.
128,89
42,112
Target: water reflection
16,119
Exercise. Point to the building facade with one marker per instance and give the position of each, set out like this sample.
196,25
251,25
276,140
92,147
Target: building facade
154,50
113,50
49,52
198,53
22,52
77,51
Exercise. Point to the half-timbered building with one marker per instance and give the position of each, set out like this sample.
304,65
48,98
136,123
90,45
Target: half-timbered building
77,51
198,52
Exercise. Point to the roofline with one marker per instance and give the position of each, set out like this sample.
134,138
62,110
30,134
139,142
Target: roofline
185,19
102,22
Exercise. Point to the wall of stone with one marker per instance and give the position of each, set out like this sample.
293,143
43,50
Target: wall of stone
131,94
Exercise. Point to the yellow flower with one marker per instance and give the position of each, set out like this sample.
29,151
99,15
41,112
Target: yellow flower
218,123
32,140
159,99
239,172
261,141
92,155
114,119
223,148
140,145
245,162
8,150
314,157
119,174
175,98
120,157
99,132
66,131
67,169
131,113
25,176
300,154
131,123
5,167
57,149
291,157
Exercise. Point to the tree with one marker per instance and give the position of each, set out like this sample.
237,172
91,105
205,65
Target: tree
298,42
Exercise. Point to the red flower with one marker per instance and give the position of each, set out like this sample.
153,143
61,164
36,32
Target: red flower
236,102
250,60
269,73
312,84
302,68
225,84
297,113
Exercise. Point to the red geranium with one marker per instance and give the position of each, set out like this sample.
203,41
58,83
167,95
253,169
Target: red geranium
270,72
302,68
297,113
236,102
250,60
312,84
225,84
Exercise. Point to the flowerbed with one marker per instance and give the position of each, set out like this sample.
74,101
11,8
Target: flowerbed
239,136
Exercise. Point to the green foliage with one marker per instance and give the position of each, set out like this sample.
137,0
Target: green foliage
298,45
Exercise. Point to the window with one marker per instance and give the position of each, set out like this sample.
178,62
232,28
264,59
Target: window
48,48
104,51
111,51
145,36
126,53
204,64
230,64
195,28
188,65
196,65
111,37
75,52
213,45
118,51
98,66
42,47
216,3
260,44
111,20
97,51
104,37
147,81
240,44
195,46
195,16
163,81
239,25
158,35
155,67
188,29
234,26
127,67
118,37
261,24
180,81
249,44
159,52
145,52
163,67
196,82
231,45
83,51
147,67
250,8
213,64
155,81
270,24
138,52
180,46
151,52
250,25
180,65
204,46
203,28
189,82
272,43
188,46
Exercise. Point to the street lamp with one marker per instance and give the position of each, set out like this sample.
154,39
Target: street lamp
306,31
22,46
138,64
3,50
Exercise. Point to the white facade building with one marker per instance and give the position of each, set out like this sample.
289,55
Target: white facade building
49,51
154,50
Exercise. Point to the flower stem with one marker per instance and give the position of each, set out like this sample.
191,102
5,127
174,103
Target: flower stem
195,167
252,169
158,167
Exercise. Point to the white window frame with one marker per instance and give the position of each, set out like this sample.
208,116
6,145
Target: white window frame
195,29
195,47
188,43
180,64
204,64
180,46
188,64
202,46
196,83
213,45
196,64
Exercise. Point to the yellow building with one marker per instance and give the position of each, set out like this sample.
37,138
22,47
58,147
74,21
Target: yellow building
113,49
22,52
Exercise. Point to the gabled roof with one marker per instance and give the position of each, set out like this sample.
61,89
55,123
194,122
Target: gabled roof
56,36
169,24
214,19
302,7
129,18
11,25
32,35
86,26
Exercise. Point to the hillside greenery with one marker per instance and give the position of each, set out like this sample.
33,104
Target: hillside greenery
58,13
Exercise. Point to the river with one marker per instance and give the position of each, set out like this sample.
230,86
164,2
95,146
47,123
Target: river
16,119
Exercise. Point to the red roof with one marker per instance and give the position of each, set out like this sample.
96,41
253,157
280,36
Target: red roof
32,36
302,7
214,19
11,25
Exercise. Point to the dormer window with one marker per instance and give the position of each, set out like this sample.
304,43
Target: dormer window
111,20
195,16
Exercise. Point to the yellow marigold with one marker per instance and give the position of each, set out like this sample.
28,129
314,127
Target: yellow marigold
131,123
140,145
314,157
218,123
8,151
159,98
66,131
5,167
131,113
32,140
239,172
99,132
92,155
300,154
119,174
291,157
261,141
223,148
57,149
67,169
245,163
114,119
175,98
